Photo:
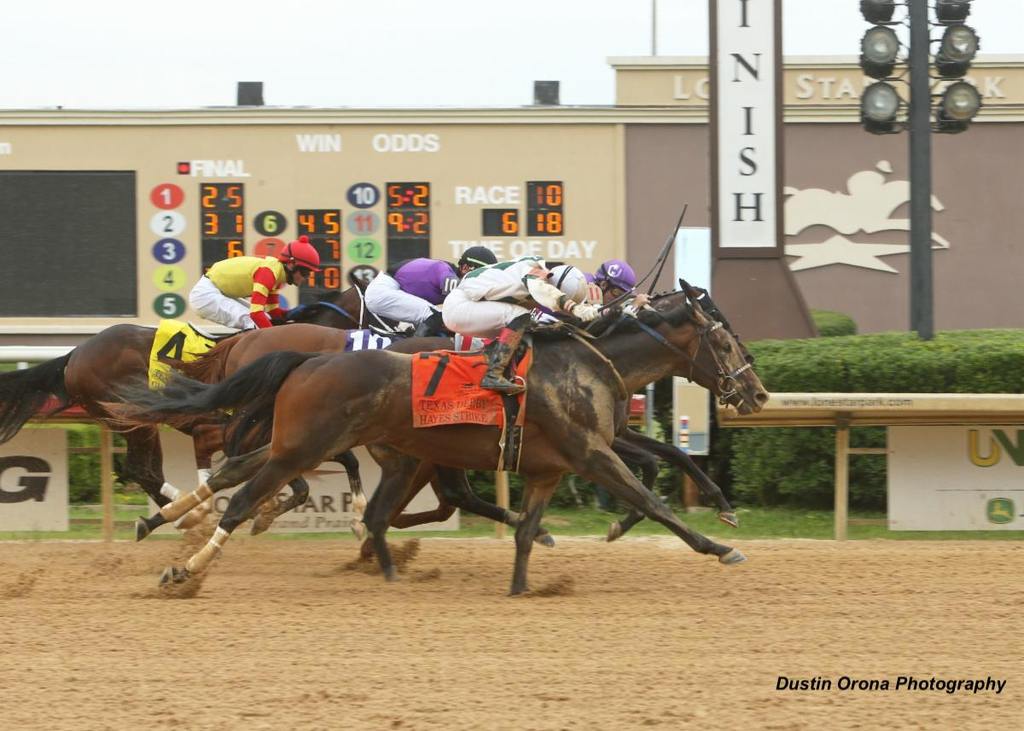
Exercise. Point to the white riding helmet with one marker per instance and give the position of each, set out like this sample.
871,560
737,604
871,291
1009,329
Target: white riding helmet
571,281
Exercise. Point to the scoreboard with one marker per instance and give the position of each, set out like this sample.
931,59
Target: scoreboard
126,214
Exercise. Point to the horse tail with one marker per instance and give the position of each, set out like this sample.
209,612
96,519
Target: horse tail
23,393
209,367
182,398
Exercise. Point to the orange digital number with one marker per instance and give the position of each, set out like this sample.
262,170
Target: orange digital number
332,277
421,223
395,199
335,248
307,223
396,221
211,224
209,193
234,196
235,248
331,223
509,223
553,222
553,194
239,224
419,198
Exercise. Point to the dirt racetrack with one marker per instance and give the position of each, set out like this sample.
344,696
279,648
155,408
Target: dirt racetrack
636,634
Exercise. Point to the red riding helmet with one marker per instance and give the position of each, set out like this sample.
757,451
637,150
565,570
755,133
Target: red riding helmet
301,253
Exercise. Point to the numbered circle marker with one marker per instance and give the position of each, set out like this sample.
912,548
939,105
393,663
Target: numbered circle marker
169,278
270,223
363,195
167,223
167,196
168,251
268,247
364,251
361,275
169,305
363,223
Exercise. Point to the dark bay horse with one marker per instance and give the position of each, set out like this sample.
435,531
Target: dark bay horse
576,406
119,354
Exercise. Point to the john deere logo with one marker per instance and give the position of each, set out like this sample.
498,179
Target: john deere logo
999,510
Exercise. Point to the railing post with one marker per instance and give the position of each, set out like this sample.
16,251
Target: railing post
107,482
501,497
842,488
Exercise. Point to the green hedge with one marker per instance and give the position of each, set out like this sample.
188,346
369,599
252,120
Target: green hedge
772,466
833,324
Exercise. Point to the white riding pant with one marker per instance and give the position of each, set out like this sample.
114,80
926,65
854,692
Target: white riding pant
478,318
385,298
213,305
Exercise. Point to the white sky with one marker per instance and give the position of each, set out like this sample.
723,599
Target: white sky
370,53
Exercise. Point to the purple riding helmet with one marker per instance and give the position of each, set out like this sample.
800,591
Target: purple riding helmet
617,273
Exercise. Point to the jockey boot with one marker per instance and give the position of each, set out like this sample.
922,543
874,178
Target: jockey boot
500,352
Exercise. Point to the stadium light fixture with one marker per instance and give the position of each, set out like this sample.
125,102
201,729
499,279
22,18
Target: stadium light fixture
877,11
959,105
878,50
879,105
957,49
952,11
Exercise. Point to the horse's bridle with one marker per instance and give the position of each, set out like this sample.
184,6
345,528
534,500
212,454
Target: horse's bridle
728,383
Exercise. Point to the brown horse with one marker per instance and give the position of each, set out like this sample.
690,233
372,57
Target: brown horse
89,374
576,406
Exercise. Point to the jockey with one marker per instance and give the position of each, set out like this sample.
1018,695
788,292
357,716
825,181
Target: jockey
219,295
414,290
496,300
615,277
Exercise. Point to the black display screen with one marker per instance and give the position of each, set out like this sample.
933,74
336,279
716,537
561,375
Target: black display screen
408,221
222,221
544,199
69,243
323,227
501,222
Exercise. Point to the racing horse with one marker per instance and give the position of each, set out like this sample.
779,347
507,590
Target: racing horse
119,354
577,404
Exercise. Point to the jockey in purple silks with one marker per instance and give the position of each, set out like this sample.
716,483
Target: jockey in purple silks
415,289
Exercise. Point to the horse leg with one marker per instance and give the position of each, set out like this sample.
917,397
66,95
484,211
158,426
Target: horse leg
276,508
234,471
633,456
265,483
454,489
143,464
206,439
682,460
443,511
401,476
350,462
601,465
539,490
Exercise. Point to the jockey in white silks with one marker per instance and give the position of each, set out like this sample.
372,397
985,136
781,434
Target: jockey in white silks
497,300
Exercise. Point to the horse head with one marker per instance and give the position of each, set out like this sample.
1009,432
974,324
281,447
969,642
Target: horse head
709,353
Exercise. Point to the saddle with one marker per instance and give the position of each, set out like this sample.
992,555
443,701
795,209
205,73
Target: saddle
446,390
176,341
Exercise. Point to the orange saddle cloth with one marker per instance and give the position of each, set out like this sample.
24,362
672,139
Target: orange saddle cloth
446,390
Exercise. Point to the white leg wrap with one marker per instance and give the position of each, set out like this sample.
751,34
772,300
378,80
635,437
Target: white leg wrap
201,559
204,475
185,503
169,491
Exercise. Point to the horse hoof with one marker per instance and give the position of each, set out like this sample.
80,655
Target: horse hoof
358,529
547,540
391,574
729,519
614,531
172,575
733,557
141,529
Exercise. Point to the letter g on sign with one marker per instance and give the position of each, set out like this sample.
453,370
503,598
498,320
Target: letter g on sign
33,486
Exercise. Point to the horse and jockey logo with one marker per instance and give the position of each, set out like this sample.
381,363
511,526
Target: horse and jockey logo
867,207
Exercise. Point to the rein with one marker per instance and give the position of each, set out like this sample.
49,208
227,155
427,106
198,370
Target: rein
727,381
